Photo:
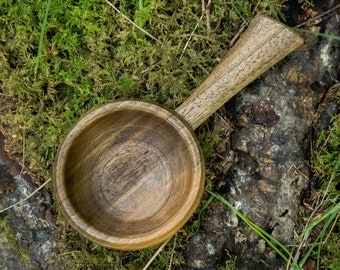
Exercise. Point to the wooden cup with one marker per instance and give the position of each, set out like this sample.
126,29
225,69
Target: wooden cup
129,174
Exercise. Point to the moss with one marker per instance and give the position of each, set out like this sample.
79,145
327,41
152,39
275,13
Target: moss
326,166
326,152
91,55
5,230
230,264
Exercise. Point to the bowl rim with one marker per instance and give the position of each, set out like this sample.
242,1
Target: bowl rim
146,239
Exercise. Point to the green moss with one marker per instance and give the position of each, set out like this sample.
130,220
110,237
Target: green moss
91,55
142,16
326,165
230,264
6,231
326,154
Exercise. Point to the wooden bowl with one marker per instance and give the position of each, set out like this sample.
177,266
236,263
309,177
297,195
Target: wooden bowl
129,174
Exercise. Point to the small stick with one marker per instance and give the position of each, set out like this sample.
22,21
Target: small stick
207,15
319,16
190,37
6,95
192,33
330,231
172,254
134,24
25,199
156,254
235,38
23,156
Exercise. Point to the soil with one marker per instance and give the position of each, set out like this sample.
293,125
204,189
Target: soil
262,167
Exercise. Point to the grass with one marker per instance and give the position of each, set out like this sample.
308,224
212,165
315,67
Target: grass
326,165
279,248
58,59
328,221
42,35
317,34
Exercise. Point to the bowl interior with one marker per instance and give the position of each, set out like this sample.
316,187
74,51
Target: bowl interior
129,173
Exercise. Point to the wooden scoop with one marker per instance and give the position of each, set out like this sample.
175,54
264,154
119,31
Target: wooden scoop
130,173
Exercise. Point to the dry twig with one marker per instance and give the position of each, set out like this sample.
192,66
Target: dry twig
319,16
156,254
193,31
26,198
206,12
134,24
172,254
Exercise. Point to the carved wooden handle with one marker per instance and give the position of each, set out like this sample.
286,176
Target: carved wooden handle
263,44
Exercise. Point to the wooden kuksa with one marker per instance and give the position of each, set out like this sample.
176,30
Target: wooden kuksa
129,174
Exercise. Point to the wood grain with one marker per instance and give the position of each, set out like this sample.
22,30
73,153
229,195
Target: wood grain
264,43
129,174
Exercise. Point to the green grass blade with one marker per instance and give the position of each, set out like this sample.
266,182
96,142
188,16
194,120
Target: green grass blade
270,238
319,239
279,248
320,246
316,33
272,9
276,13
255,227
42,34
334,209
205,206
239,13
